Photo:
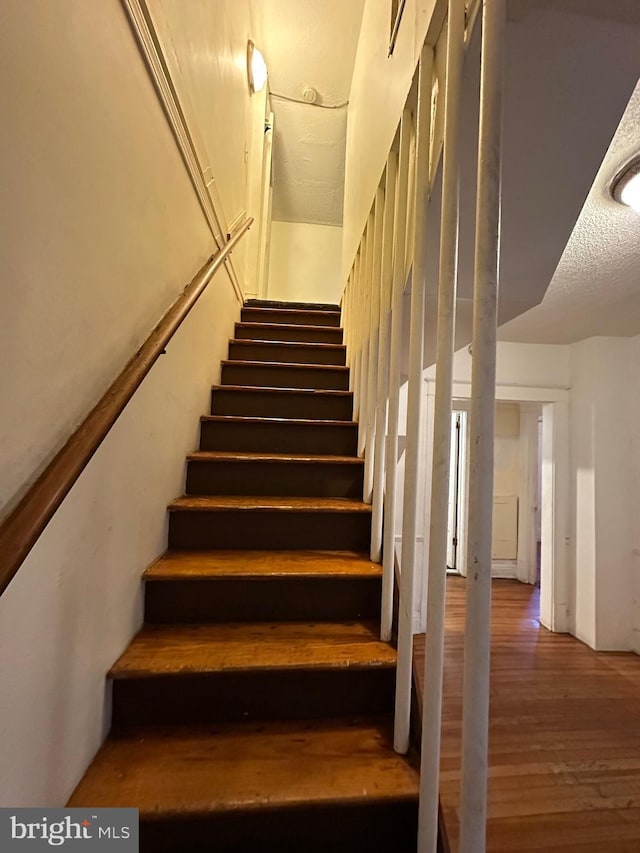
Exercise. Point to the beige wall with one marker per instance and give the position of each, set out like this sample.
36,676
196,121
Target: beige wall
205,45
100,231
305,262
506,471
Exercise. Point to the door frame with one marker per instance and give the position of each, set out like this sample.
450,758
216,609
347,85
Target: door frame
554,568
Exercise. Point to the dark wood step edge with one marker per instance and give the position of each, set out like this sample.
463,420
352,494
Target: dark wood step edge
272,389
310,345
255,419
285,458
289,365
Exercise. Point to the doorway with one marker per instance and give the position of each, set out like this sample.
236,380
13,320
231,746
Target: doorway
457,492
517,502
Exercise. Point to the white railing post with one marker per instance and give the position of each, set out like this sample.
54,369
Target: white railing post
359,308
395,349
447,284
414,399
345,314
382,388
374,338
366,334
475,725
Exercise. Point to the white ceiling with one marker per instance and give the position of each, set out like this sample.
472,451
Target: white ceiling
569,77
596,287
309,43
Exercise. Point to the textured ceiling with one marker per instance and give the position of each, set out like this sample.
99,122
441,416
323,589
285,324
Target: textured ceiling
596,287
309,43
569,77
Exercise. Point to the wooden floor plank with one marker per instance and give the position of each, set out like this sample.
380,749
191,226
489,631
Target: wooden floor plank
564,733
191,771
182,649
207,565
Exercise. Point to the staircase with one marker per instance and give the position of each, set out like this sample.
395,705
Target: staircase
253,709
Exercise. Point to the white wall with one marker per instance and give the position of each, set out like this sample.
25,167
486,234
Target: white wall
305,262
378,93
102,232
205,45
604,464
583,515
634,420
520,366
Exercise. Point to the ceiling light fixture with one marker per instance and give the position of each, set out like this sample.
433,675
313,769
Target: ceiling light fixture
626,185
256,68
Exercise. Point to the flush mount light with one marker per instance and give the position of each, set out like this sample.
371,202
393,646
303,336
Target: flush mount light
626,185
256,68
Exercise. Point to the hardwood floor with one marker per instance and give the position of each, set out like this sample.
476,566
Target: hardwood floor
564,739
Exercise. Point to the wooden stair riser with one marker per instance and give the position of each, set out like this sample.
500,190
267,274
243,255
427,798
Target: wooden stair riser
365,827
267,529
274,694
297,599
288,353
271,375
265,403
288,317
274,436
282,332
288,306
250,477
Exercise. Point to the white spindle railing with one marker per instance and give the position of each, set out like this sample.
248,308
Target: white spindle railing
393,243
395,346
438,527
475,724
382,388
410,510
374,336
366,293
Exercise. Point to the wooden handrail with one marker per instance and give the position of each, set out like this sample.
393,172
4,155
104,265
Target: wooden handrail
21,529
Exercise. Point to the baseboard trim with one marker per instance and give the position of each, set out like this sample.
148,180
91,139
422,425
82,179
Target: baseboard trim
507,569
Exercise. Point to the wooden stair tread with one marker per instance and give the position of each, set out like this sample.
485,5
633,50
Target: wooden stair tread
287,312
248,324
248,456
174,772
213,503
294,306
266,389
208,565
293,365
249,647
310,345
254,419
